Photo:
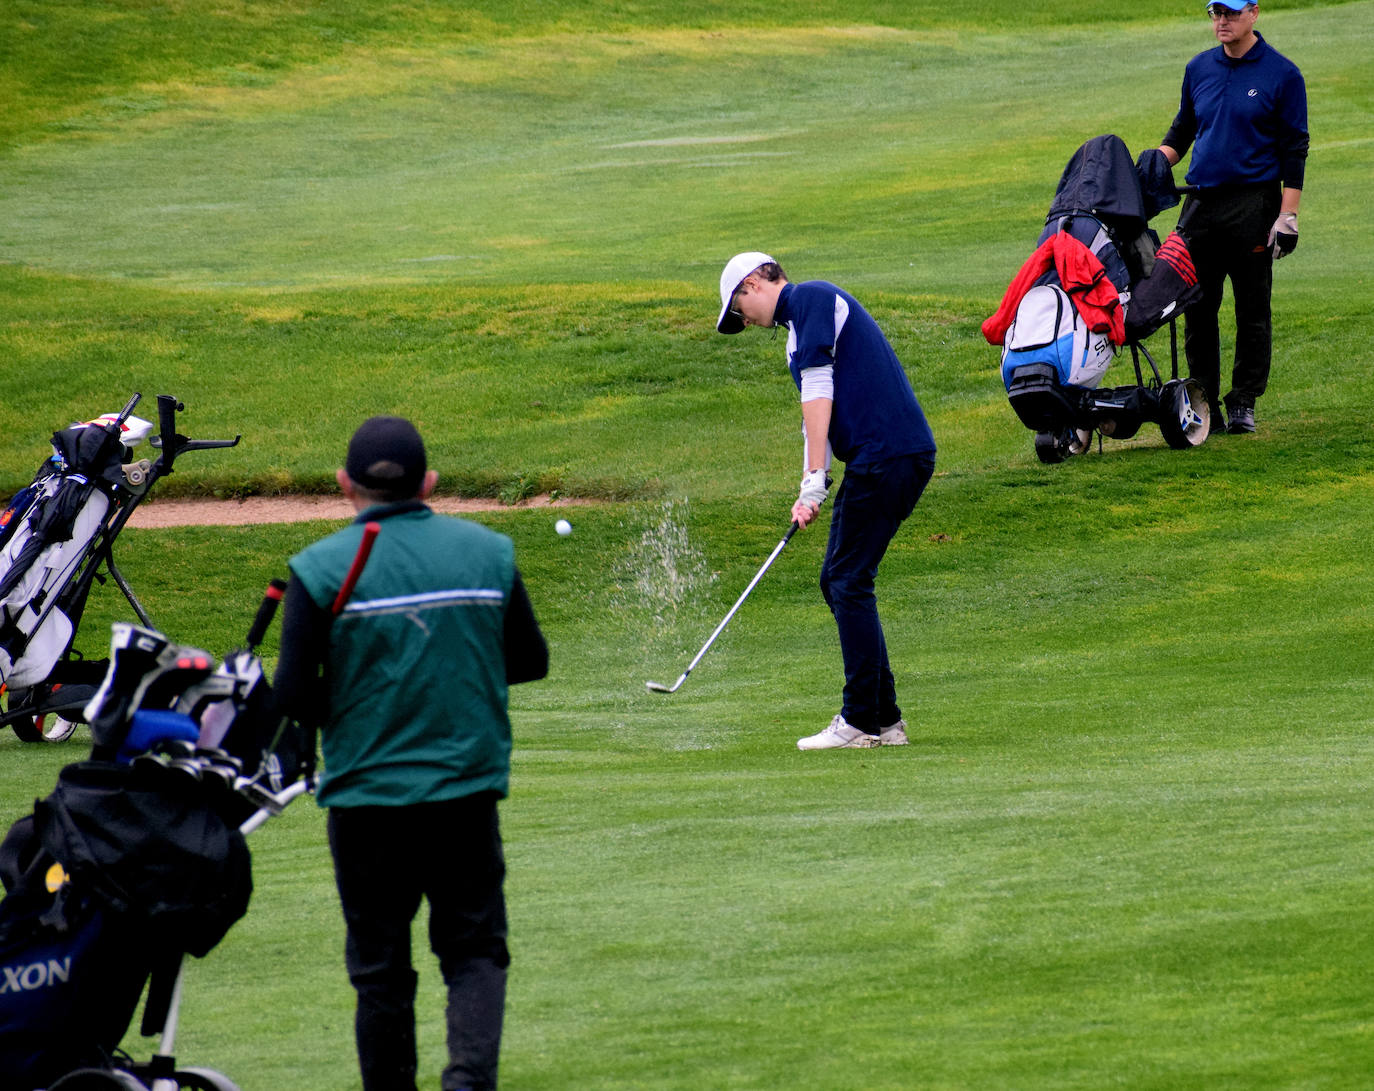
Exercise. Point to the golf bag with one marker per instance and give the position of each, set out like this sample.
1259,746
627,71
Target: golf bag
136,859
55,537
1099,280
49,529
116,874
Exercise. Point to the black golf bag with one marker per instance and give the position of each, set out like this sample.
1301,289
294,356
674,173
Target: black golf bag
115,875
1099,280
136,859
55,537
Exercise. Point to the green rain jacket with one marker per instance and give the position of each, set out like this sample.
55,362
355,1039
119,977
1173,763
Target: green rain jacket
415,672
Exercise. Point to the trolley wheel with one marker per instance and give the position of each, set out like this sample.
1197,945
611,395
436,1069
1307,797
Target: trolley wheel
1185,418
60,730
1052,447
203,1079
1047,449
28,729
99,1079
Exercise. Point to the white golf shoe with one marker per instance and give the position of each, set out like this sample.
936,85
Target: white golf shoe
894,734
838,735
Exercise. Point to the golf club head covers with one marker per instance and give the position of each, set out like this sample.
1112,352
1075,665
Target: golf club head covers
146,669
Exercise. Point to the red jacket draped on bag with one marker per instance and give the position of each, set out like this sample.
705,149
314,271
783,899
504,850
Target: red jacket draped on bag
1080,275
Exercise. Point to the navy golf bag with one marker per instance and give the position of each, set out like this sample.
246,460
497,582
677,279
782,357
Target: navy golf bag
1099,280
116,874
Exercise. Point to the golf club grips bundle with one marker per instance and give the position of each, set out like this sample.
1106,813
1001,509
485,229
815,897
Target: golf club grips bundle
171,703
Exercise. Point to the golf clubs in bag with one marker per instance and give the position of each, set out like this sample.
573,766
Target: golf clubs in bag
136,859
56,535
1099,280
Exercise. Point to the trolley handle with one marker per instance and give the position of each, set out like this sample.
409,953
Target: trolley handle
205,444
171,442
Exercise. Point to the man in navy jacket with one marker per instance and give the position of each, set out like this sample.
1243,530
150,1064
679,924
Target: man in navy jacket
1244,111
857,402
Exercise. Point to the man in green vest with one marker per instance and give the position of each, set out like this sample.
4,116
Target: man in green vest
407,682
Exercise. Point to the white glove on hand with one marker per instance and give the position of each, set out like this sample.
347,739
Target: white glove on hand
1283,236
814,488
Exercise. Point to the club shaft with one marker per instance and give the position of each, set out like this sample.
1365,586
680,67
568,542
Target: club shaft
370,532
739,601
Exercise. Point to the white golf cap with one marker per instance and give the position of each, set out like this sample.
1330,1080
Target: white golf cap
736,269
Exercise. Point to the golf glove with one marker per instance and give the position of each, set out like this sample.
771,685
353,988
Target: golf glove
814,488
1283,236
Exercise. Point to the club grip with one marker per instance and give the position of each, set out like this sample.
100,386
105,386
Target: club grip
267,610
128,408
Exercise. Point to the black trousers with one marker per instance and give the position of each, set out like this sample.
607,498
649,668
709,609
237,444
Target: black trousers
1227,231
385,860
869,508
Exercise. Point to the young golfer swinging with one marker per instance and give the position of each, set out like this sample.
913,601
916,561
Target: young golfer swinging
857,401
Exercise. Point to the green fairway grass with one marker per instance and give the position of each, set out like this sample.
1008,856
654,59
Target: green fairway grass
1129,844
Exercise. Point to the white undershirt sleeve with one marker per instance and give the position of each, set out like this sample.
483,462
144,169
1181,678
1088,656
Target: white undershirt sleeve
818,382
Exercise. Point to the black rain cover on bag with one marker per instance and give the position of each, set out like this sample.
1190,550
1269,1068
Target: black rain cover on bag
94,450
1101,178
152,870
149,843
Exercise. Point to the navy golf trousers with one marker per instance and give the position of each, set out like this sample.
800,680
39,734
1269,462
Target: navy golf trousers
869,507
385,860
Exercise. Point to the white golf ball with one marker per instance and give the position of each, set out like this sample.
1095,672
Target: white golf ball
563,527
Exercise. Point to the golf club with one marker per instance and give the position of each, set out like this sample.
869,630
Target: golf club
370,532
267,609
659,687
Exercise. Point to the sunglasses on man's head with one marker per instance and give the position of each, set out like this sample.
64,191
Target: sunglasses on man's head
1221,11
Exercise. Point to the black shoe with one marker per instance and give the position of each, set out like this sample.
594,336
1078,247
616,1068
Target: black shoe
1242,420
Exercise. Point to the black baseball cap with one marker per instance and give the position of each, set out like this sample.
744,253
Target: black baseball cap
387,455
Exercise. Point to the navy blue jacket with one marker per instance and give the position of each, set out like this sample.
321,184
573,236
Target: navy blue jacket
875,415
1248,115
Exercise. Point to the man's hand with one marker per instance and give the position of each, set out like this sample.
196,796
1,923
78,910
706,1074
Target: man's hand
1283,236
803,514
815,486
